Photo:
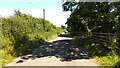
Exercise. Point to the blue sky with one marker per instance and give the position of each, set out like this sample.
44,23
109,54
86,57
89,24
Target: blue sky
54,11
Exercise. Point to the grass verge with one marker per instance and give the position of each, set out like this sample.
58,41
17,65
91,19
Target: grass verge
107,57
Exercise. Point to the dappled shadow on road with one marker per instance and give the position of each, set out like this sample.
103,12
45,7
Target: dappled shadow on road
66,50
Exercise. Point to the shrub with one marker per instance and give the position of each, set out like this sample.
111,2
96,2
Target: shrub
22,33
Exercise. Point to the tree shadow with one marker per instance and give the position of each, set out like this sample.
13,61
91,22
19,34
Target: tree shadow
66,50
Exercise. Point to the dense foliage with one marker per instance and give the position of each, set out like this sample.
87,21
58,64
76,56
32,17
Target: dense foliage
98,27
94,17
22,33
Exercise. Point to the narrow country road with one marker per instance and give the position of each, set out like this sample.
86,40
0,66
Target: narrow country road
62,51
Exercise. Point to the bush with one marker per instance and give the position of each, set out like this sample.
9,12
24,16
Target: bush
22,33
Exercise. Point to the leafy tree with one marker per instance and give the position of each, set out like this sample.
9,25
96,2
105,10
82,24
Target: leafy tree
92,17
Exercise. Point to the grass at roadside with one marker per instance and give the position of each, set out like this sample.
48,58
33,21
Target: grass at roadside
102,53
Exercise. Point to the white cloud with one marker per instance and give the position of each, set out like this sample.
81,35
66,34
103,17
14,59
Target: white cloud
6,12
57,17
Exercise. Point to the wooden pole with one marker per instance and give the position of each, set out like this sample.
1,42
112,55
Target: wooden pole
44,18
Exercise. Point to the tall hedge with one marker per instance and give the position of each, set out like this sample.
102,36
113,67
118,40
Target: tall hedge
22,33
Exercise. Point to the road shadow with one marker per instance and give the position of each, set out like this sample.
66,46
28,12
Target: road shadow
66,50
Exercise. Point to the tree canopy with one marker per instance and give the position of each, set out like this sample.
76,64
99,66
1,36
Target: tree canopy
93,16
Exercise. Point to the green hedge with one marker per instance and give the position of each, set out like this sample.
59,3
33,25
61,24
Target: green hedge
22,33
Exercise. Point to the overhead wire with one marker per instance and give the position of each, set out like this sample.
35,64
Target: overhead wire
39,8
33,4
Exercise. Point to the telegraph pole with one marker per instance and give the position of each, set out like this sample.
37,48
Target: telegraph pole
44,18
44,14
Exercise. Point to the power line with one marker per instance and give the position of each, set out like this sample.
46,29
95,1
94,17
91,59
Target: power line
39,8
33,4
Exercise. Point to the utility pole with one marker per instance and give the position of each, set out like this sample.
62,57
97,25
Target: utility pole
44,14
44,18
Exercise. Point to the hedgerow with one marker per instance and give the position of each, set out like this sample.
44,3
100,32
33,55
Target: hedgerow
22,33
